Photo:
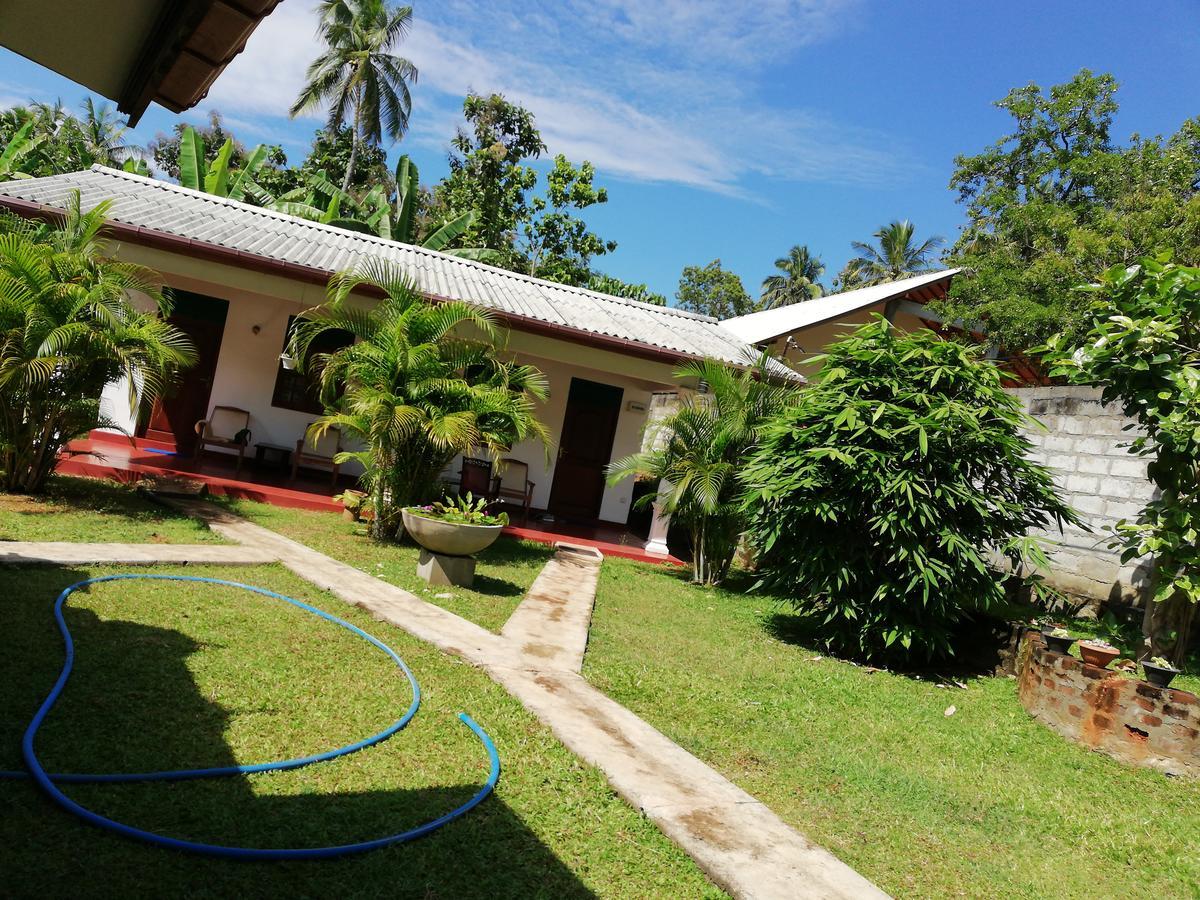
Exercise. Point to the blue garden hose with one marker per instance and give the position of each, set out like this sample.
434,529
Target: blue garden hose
48,782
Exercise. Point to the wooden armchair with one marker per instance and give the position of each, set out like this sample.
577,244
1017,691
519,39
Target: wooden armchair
511,483
318,453
475,477
222,428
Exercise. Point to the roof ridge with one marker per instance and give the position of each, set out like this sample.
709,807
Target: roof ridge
376,240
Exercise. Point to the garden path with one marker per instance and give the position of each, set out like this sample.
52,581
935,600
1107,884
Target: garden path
740,843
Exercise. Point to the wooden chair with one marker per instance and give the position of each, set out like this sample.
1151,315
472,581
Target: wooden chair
475,477
511,483
221,429
318,453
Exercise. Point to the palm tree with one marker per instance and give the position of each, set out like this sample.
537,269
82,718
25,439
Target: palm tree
896,255
412,389
103,135
358,74
67,329
799,279
706,442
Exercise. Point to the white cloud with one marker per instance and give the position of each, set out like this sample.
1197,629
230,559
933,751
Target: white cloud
664,92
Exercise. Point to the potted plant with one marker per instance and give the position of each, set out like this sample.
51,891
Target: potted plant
1158,671
454,527
352,504
1096,652
1058,640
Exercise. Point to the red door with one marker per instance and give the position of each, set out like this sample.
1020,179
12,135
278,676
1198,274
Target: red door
174,416
584,449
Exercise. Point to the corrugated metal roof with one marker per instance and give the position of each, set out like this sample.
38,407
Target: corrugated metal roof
772,323
164,207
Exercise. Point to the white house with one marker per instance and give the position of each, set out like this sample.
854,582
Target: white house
241,273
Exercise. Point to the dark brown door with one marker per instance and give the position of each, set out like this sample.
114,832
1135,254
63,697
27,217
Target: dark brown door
174,417
584,449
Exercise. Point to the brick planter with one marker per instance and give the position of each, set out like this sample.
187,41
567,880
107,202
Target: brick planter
1129,720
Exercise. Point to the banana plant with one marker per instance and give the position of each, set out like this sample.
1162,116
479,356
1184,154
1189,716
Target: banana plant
19,146
317,200
397,220
217,177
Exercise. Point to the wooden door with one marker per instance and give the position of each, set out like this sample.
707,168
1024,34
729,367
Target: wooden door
584,449
174,416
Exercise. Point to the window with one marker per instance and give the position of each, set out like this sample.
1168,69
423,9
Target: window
298,390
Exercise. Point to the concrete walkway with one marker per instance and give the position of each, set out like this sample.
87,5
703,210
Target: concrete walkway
66,553
551,624
742,846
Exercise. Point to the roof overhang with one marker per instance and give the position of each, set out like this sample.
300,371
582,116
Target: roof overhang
161,240
771,324
134,51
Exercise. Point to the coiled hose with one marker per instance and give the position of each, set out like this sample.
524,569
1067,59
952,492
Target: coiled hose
49,782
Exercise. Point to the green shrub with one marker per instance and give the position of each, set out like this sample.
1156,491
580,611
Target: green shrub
877,501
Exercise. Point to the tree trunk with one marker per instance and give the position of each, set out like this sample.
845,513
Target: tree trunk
1167,629
354,138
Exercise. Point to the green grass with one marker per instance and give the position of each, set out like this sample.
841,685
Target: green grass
503,573
91,510
983,803
198,675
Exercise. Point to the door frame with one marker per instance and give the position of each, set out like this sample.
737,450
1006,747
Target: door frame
188,306
607,441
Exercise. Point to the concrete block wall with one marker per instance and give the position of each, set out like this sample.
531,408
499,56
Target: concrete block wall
1082,444
1128,719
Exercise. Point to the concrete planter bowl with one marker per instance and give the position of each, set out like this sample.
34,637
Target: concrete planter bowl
450,538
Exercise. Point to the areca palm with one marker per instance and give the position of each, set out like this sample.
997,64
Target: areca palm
414,388
67,328
700,448
799,279
896,255
358,76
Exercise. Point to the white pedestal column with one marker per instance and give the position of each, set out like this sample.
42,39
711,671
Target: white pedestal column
661,522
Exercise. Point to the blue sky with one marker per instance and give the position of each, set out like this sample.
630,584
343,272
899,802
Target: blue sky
731,132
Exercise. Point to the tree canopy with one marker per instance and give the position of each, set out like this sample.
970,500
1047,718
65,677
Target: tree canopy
713,291
798,278
895,254
1055,202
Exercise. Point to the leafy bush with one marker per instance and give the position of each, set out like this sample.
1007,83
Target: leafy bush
1143,350
877,501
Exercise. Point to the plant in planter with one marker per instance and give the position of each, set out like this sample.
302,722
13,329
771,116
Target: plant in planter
450,533
353,503
1159,672
1059,640
1096,652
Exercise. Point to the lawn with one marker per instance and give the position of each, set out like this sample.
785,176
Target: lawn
985,802
180,675
89,510
503,575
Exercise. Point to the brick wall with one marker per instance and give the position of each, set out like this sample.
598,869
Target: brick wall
1081,444
1130,720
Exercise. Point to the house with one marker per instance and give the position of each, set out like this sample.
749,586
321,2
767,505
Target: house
240,275
134,51
803,330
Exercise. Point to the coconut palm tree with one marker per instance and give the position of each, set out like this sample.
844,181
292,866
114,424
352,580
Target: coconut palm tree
895,255
358,76
799,279
413,388
700,449
103,136
67,328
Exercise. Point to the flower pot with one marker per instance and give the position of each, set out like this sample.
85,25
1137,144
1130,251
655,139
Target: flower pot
1158,675
450,538
350,515
1059,644
1097,654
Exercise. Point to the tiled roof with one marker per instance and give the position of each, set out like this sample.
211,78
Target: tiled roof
168,208
769,324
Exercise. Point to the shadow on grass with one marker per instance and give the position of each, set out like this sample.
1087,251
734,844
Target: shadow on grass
132,705
978,643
